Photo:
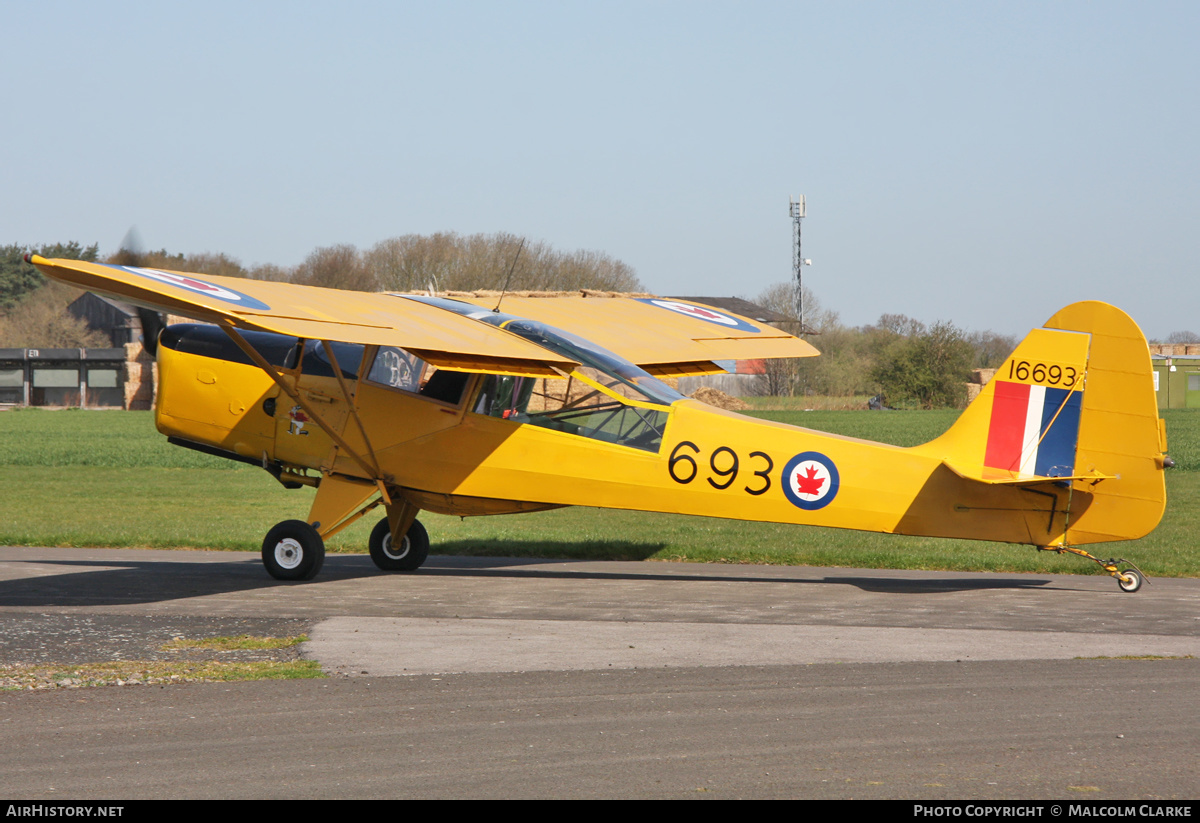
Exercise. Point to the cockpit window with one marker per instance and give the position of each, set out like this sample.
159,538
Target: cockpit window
606,398
575,405
615,372
618,369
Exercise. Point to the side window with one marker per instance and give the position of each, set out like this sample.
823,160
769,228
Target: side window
505,396
316,362
576,407
396,368
445,385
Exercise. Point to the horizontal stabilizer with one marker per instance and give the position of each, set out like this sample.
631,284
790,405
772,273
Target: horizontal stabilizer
985,474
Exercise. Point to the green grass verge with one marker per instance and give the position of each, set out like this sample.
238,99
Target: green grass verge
150,672
108,479
820,401
241,642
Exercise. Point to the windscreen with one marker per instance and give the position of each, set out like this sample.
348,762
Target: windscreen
606,398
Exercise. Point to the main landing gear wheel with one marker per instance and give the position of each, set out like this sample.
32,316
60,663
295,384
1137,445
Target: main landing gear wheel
293,550
408,556
1129,580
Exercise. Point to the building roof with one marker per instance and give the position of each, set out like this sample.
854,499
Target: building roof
80,305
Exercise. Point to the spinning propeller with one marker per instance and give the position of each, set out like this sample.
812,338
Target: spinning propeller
132,253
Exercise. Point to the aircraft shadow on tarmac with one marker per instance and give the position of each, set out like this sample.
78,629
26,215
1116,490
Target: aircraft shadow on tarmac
124,582
572,550
888,585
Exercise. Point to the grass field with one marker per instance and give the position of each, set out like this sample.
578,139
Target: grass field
75,478
806,402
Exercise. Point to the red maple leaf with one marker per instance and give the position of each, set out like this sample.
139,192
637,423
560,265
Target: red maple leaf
810,484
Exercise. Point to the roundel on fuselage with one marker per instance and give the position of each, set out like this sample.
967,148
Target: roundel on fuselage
810,481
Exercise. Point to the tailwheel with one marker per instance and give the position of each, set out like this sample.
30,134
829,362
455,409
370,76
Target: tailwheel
405,557
1129,579
293,550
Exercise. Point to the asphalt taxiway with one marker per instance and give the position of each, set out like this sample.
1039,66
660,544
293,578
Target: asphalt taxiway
486,677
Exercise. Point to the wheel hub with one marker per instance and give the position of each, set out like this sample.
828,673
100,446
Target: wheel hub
288,553
395,555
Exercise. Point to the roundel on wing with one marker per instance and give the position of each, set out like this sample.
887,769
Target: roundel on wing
810,481
705,313
198,286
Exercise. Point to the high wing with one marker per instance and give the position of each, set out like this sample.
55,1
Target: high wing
439,337
663,336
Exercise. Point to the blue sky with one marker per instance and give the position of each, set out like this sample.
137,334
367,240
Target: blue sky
984,163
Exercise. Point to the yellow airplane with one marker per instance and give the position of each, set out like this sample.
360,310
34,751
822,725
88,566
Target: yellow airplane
452,406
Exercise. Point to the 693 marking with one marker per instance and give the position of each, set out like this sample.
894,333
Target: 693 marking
723,462
1051,374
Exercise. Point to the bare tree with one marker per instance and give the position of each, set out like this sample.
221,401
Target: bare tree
336,267
991,349
269,271
219,264
41,320
780,298
900,324
803,375
450,262
414,262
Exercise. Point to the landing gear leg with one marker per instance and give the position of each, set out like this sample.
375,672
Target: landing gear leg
1130,579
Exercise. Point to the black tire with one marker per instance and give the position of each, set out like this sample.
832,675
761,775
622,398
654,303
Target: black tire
293,550
411,554
1132,581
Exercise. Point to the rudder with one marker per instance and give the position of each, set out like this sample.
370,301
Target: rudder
1120,432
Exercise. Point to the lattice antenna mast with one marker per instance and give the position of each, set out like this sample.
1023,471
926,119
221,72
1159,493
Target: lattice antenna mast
796,210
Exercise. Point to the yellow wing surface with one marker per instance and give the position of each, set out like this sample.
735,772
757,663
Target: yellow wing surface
661,335
436,336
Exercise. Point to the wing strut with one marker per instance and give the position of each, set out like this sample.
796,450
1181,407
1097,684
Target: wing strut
350,402
260,361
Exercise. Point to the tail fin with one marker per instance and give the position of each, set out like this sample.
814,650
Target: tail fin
1072,412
